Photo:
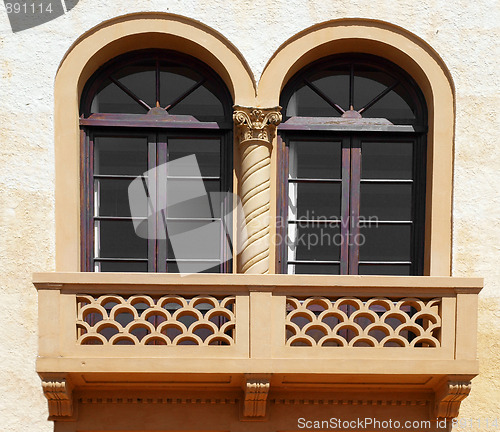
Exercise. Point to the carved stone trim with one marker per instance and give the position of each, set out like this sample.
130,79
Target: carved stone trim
158,400
256,392
59,395
351,402
449,396
256,123
256,128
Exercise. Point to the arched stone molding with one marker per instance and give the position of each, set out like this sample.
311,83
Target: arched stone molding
88,53
429,71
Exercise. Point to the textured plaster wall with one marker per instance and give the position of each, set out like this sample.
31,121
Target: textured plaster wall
463,33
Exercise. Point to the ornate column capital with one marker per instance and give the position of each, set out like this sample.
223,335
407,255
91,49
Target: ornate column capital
449,396
58,392
256,123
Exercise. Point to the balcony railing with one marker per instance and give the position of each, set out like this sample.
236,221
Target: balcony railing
155,320
277,335
257,319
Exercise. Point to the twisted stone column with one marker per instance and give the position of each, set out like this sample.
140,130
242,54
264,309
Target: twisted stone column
256,128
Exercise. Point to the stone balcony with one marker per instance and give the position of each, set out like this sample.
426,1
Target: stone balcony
258,339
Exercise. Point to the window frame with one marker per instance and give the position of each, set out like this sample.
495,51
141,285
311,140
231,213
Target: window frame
151,125
349,256
95,82
311,128
367,60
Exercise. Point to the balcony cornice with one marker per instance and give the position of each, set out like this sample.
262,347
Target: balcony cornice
74,282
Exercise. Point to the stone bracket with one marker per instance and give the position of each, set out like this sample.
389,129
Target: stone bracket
59,393
449,396
256,392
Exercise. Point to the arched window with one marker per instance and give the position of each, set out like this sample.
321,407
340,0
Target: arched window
156,166
354,140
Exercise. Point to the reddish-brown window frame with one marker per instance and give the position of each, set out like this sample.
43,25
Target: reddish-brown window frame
155,122
353,131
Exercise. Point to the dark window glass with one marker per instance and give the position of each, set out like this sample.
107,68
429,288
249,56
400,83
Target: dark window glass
121,266
118,239
202,104
140,80
330,88
316,159
207,152
112,99
385,202
385,269
315,242
120,155
144,81
191,239
305,102
174,82
112,197
386,243
370,199
193,267
335,85
387,160
395,105
317,200
204,201
325,269
191,193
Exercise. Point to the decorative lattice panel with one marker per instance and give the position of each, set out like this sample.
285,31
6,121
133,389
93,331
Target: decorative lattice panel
355,322
146,320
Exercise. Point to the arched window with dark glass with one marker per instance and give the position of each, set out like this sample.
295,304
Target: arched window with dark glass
353,146
156,166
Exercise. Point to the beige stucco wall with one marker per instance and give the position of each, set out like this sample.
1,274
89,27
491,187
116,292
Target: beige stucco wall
464,35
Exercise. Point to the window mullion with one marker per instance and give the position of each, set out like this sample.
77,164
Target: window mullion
87,220
418,201
227,206
354,205
152,204
351,87
282,222
157,81
161,200
345,205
